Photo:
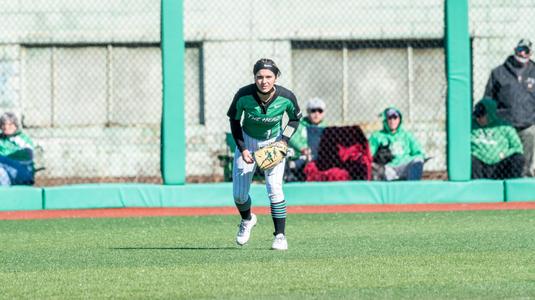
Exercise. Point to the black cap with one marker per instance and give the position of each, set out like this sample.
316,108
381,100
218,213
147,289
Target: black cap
392,112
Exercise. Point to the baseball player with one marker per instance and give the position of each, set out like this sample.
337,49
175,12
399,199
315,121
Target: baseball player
262,106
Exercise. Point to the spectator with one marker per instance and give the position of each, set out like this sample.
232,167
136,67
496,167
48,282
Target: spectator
407,158
512,85
305,142
496,147
16,153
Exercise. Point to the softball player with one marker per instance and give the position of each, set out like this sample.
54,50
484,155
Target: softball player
262,106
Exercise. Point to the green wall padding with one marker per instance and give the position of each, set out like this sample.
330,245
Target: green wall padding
459,89
20,198
520,190
173,139
402,192
220,194
102,196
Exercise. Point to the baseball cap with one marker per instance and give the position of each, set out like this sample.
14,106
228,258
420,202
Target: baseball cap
392,112
524,44
315,103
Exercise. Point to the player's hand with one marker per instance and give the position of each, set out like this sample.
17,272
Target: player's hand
247,157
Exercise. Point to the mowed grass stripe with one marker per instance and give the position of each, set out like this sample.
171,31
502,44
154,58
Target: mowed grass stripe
469,254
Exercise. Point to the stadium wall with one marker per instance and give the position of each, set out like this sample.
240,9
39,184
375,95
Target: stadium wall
65,108
135,195
220,194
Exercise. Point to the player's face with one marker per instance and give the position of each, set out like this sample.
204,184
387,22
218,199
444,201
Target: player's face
8,128
264,80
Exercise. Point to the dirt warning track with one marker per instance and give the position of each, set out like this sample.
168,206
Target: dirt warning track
205,211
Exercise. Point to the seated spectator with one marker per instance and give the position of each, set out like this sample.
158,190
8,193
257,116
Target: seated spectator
496,146
396,153
343,154
16,153
305,141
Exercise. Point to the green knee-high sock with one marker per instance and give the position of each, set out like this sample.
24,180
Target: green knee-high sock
278,213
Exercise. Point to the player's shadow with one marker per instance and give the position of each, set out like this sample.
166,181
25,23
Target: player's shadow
176,248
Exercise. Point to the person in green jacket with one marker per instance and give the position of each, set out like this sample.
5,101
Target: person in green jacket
305,142
495,144
16,153
406,159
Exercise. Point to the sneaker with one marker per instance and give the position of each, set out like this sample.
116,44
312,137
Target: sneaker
279,242
244,231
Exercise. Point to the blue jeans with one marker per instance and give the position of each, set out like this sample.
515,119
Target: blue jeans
410,171
13,172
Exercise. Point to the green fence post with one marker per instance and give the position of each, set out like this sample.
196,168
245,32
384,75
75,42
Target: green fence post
458,75
173,144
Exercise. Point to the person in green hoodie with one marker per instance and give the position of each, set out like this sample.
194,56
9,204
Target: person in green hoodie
16,153
305,142
406,159
495,144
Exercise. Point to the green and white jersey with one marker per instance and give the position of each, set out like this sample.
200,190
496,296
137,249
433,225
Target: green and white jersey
263,120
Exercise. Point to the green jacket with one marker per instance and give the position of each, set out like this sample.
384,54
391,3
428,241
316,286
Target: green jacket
299,140
496,140
403,144
16,146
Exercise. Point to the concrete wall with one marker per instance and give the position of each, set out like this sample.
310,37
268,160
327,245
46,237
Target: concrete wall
72,97
85,77
313,19
81,21
236,33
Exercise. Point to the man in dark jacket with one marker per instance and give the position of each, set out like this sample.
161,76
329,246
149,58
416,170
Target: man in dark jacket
512,85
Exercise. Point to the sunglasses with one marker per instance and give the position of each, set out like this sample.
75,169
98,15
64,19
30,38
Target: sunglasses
522,48
393,117
314,110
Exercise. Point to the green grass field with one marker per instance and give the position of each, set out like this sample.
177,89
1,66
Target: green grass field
484,254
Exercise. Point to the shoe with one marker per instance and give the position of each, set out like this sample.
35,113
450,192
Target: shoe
279,242
244,231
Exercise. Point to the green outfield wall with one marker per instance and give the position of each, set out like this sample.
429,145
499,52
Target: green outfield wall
220,194
308,193
21,198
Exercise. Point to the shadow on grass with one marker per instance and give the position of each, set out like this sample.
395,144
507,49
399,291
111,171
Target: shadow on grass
183,248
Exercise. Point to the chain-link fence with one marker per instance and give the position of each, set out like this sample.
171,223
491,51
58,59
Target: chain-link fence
497,29
358,57
84,78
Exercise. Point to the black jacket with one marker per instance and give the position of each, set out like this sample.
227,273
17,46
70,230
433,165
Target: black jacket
513,87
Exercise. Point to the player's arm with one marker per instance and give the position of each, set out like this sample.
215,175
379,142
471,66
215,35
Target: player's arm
294,115
234,113
492,87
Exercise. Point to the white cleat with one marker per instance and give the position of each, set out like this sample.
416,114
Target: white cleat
244,231
279,242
